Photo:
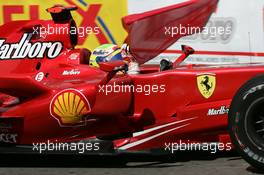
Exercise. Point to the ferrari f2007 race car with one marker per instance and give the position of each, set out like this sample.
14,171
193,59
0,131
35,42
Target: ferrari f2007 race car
51,96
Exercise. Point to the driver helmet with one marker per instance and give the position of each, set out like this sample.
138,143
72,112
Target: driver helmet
105,53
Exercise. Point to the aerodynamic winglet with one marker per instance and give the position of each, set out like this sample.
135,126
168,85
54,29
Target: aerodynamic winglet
21,87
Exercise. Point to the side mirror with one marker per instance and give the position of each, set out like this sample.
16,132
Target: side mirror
187,50
60,13
113,66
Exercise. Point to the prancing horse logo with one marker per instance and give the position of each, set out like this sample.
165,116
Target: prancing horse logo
206,84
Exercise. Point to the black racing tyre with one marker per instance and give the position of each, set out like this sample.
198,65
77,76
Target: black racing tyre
246,122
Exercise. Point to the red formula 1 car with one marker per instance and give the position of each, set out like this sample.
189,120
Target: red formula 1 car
50,95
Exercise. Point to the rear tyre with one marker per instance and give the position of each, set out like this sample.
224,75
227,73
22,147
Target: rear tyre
246,122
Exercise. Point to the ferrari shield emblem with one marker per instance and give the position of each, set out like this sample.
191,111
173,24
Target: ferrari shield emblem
206,84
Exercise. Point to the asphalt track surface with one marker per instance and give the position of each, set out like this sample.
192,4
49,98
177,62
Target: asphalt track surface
176,164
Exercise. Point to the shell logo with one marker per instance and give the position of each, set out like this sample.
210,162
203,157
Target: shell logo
69,107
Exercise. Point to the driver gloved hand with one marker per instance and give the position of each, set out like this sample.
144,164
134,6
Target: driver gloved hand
165,65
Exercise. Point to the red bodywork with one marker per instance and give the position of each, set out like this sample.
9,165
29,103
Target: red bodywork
39,95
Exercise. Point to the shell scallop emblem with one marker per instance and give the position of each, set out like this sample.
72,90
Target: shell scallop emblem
69,107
